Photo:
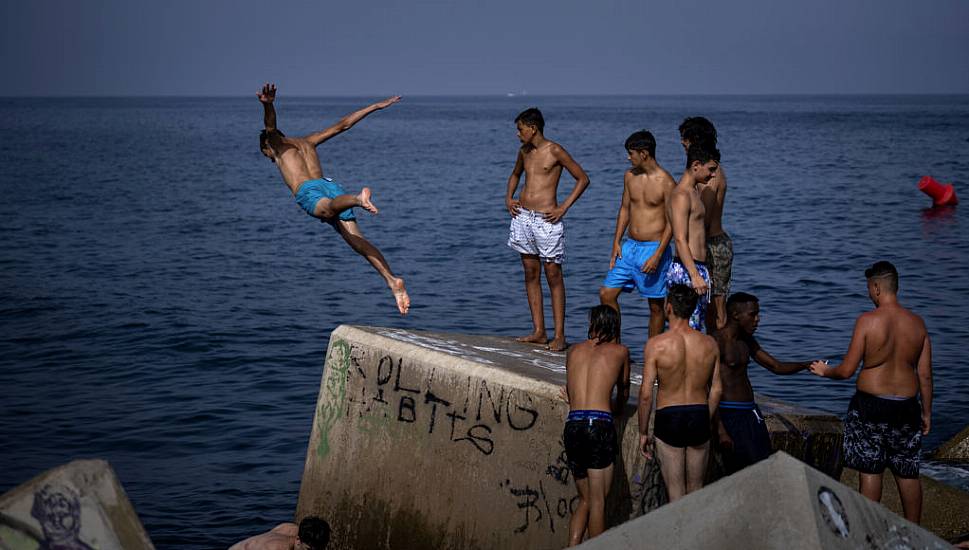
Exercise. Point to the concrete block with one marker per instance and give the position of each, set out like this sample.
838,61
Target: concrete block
778,503
956,449
431,440
79,505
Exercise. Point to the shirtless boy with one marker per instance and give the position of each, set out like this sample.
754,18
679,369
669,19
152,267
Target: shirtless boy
594,368
743,433
687,364
885,422
313,533
537,232
322,197
699,130
688,217
642,260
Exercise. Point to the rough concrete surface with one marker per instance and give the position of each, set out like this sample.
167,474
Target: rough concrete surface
78,505
430,440
778,503
956,449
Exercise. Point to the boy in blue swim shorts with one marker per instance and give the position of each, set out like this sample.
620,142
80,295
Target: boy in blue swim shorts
320,197
640,262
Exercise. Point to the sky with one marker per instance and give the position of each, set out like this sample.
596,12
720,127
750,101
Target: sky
438,47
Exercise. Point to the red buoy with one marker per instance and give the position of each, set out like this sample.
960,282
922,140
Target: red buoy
942,194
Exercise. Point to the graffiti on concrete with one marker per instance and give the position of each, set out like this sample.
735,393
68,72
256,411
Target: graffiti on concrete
333,394
538,504
466,413
58,510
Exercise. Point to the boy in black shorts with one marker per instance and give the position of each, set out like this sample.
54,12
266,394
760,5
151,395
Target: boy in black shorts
594,368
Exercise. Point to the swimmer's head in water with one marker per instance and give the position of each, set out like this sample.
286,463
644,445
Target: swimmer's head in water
745,310
882,278
603,324
702,162
682,301
265,145
699,130
313,534
529,122
642,140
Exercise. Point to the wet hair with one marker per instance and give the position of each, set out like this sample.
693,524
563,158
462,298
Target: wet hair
314,532
531,117
699,130
603,324
738,299
885,271
683,299
702,154
642,140
264,138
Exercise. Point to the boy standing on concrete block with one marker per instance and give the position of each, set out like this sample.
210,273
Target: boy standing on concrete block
641,261
686,363
594,368
537,232
885,421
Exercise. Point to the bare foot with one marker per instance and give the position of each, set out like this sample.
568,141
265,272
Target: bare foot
400,294
365,203
533,338
558,344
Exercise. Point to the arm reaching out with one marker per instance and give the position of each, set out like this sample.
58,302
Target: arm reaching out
350,120
851,361
770,363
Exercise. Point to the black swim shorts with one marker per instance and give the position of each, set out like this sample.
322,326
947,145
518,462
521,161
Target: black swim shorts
746,427
683,425
590,442
883,432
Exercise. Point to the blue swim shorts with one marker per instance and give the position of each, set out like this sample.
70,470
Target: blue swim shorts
628,271
311,191
678,274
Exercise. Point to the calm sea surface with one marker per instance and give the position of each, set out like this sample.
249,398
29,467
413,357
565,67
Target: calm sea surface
165,305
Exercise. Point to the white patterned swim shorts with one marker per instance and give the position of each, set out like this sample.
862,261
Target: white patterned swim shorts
531,234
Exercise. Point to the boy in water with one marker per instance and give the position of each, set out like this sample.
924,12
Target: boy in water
321,197
642,260
537,232
593,369
885,421
313,533
687,365
688,217
701,131
743,433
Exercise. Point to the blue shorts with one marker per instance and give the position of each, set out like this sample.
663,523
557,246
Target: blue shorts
628,271
311,191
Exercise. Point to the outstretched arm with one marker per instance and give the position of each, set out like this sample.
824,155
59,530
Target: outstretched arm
925,384
266,96
581,182
851,361
768,361
349,120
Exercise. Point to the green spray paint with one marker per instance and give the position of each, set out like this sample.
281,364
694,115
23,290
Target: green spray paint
333,399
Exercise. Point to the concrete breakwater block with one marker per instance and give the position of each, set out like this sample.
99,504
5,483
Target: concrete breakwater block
431,440
79,505
777,503
956,449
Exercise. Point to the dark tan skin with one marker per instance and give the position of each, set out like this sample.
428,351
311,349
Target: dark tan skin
593,370
298,162
686,364
893,345
737,346
542,161
688,217
646,190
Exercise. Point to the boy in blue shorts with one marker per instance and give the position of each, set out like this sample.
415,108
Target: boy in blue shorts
321,197
641,261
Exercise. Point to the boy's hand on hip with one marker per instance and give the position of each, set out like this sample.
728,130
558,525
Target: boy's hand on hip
555,215
513,207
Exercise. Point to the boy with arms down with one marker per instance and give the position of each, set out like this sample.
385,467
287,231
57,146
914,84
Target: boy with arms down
687,365
537,232
642,260
688,217
593,369
885,422
743,433
321,197
699,130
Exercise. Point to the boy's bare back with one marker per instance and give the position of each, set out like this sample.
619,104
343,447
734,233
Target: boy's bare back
685,363
647,194
593,370
894,338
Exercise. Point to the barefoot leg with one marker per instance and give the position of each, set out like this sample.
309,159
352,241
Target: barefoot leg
351,233
533,289
556,287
